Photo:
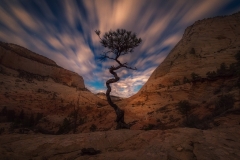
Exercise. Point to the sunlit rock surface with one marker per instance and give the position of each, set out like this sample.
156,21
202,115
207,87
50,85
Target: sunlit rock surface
21,59
205,45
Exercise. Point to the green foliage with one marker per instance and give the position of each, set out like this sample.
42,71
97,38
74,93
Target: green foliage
39,116
93,128
238,83
224,103
225,71
100,104
195,77
195,122
11,115
149,127
211,75
161,86
176,82
217,90
2,130
21,120
237,56
88,108
184,107
13,126
81,121
3,111
192,51
185,80
222,70
122,40
65,127
22,115
162,109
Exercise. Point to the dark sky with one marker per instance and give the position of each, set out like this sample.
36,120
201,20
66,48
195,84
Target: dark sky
63,30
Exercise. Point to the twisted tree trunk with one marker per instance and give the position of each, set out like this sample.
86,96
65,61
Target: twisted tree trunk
119,112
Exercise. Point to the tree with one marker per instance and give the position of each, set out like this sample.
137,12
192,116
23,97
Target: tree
195,77
184,108
118,43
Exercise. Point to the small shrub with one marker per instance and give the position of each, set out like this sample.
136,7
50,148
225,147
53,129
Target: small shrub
195,122
88,108
185,80
149,127
217,90
238,83
176,82
237,56
39,117
161,86
184,108
224,103
165,116
195,77
211,75
222,70
150,113
11,115
2,130
100,104
93,128
65,127
4,111
192,51
164,108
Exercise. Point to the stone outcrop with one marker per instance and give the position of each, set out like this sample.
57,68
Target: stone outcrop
222,142
204,46
21,59
207,46
37,87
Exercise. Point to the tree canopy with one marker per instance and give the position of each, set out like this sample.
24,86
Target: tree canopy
119,42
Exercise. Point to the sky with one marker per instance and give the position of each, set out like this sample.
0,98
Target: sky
63,30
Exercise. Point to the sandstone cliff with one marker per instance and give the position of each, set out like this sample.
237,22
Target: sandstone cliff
199,69
35,92
204,46
21,59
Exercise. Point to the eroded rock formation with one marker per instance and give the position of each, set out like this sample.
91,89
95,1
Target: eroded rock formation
19,58
35,92
187,73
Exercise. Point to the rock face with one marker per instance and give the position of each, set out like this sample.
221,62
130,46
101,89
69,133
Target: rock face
35,92
19,58
198,69
204,46
221,142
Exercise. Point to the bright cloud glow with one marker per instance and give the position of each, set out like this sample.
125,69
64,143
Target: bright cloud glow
64,32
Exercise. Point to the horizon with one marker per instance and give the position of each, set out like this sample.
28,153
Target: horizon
63,31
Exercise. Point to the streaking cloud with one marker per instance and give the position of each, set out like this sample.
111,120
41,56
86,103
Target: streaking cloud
64,32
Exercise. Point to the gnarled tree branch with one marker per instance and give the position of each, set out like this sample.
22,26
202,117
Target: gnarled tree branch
119,42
